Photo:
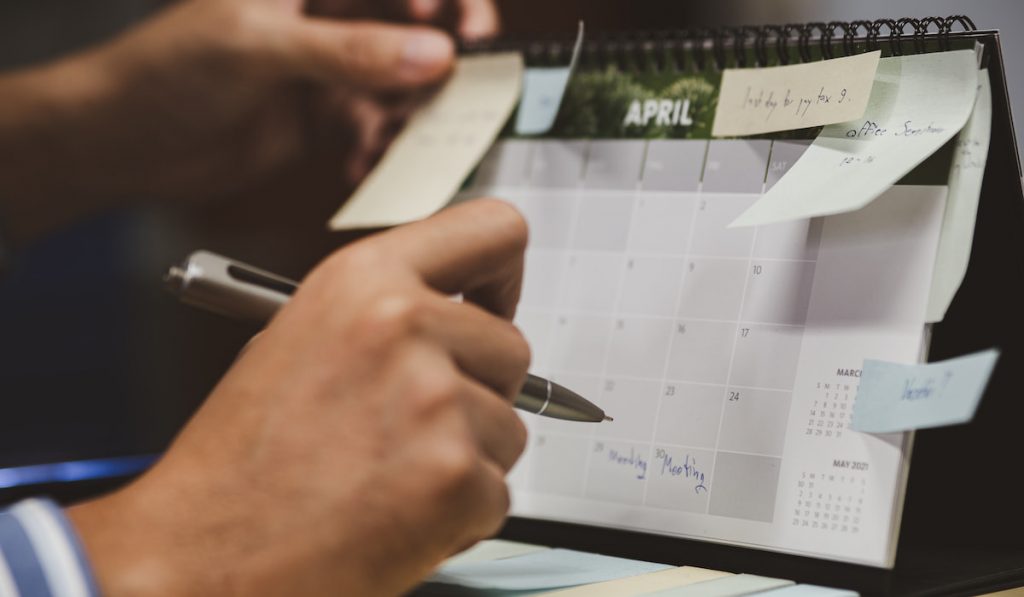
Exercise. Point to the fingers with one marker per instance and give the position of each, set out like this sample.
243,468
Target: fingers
369,55
485,347
475,248
498,430
479,19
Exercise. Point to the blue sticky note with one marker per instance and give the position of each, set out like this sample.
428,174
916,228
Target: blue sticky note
547,569
809,591
543,89
894,397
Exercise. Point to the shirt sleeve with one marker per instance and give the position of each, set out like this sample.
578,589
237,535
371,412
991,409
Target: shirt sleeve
40,554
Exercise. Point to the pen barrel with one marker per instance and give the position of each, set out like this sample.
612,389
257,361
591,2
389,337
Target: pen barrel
548,399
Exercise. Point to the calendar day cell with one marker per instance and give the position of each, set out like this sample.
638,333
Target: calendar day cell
735,166
638,347
632,403
506,164
618,471
689,414
614,164
588,386
714,213
797,240
766,356
543,274
700,351
713,288
661,223
650,285
783,155
744,486
557,164
536,327
559,464
674,164
579,343
754,421
592,281
602,222
778,291
550,218
679,478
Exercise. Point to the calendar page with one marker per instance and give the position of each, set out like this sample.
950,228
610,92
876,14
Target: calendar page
729,358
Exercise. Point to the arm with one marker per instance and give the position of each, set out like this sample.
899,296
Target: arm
208,98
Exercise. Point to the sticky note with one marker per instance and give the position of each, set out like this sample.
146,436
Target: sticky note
965,178
548,569
493,549
795,96
808,591
641,585
728,586
894,397
917,104
441,144
543,89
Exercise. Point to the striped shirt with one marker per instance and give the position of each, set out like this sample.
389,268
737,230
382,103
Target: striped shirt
40,554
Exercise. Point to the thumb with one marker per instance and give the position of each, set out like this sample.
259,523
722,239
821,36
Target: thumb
370,55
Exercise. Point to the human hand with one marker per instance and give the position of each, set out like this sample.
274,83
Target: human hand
361,439
213,97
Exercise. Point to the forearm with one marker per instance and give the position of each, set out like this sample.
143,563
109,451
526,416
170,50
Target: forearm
52,167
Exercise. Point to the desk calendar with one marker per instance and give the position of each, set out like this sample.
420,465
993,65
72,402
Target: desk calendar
728,357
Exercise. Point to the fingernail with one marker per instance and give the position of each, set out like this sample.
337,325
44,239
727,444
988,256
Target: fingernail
427,51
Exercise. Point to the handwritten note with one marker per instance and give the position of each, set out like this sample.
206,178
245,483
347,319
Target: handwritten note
783,98
439,147
635,586
893,397
548,569
729,586
965,178
543,89
917,104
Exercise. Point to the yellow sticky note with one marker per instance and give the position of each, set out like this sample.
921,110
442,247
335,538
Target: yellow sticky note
783,98
439,147
643,584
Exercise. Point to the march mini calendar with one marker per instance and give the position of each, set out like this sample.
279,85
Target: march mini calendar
728,357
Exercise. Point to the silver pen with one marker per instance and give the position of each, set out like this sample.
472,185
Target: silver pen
237,290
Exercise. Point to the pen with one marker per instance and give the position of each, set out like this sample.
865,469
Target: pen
234,289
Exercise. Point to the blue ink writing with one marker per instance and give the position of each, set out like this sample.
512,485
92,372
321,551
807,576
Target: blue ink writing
687,470
633,460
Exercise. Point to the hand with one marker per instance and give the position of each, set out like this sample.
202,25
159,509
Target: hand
211,97
361,439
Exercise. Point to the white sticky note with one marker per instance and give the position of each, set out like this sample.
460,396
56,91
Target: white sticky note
494,549
439,147
548,569
635,586
795,96
729,586
965,178
808,591
895,397
917,104
543,90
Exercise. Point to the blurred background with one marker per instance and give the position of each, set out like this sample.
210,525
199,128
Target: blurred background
96,360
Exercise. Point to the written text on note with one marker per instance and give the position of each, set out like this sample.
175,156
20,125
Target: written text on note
782,98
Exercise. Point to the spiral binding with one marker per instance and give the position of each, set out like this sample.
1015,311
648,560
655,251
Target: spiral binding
696,49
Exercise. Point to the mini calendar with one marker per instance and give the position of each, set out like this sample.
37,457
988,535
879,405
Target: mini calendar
728,357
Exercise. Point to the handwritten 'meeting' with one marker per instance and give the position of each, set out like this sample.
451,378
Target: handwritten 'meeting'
781,98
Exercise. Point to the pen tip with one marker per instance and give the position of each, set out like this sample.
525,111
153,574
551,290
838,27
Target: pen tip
607,418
